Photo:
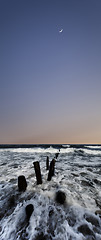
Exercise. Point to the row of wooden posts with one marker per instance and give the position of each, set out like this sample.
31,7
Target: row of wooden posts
51,169
22,184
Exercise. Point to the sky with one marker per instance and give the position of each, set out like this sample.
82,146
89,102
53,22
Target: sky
50,82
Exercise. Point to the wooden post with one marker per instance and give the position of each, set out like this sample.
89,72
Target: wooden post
51,170
47,163
56,155
60,197
29,209
22,184
37,172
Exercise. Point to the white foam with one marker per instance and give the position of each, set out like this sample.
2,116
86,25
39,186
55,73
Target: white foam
71,170
92,152
66,150
95,147
30,150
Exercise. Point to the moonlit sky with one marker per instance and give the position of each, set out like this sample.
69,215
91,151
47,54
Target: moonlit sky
50,82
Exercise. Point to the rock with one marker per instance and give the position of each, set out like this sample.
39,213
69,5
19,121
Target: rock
29,209
22,184
60,197
85,230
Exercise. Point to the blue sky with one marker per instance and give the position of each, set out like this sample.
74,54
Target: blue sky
50,82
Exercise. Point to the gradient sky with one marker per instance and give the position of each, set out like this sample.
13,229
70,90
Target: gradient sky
50,82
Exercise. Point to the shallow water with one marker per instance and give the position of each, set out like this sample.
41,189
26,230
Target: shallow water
77,173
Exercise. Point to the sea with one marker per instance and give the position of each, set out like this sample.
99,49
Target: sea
77,174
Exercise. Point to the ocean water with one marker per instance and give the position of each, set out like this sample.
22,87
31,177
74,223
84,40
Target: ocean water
77,174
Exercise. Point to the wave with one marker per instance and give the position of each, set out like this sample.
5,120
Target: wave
77,174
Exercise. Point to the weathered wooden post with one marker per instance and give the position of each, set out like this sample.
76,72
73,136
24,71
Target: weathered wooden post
29,209
60,197
51,170
22,184
56,155
37,172
47,163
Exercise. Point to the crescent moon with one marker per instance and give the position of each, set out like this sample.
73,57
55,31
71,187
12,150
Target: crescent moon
61,30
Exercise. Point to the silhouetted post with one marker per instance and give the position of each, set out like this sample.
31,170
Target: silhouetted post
38,172
56,155
51,170
47,163
60,197
22,184
29,209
